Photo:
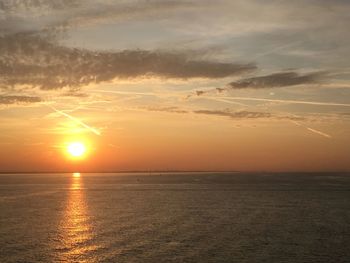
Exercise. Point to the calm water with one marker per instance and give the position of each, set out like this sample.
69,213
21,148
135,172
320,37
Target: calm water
175,218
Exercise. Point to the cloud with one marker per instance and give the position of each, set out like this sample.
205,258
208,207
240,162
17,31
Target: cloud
167,109
275,80
16,5
250,115
18,99
236,114
30,55
200,92
243,114
75,94
225,113
36,61
102,11
22,15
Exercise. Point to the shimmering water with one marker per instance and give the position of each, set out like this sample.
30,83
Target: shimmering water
194,217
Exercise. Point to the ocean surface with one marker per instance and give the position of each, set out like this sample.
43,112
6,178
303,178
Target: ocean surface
175,217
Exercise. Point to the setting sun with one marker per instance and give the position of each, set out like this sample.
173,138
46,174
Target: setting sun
76,149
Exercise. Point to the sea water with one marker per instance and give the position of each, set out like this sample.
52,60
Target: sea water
175,217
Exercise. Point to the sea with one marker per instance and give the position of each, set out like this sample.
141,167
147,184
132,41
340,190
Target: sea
175,217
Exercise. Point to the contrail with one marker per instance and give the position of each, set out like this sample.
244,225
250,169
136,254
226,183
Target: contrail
319,132
289,101
278,49
312,130
95,131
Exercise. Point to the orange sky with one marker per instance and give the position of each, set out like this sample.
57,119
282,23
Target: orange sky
147,85
162,141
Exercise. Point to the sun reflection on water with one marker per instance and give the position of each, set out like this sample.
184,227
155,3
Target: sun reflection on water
75,227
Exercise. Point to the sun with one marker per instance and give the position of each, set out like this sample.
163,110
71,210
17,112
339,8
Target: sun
76,175
76,149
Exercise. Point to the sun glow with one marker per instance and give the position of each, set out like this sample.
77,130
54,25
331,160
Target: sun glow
76,149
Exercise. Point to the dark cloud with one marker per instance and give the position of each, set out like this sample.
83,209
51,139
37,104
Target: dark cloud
36,61
18,99
236,114
281,79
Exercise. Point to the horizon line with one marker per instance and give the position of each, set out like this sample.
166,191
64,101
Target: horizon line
167,171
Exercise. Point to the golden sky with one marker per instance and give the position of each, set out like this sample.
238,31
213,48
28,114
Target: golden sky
175,85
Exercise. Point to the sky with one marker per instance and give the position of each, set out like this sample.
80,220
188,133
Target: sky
151,85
